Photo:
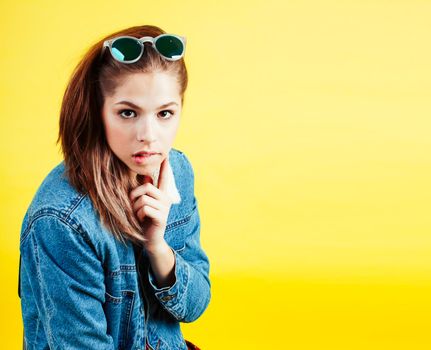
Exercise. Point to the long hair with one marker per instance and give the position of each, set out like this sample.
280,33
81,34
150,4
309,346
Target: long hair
90,164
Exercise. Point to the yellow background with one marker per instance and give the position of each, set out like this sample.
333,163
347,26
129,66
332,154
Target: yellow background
308,127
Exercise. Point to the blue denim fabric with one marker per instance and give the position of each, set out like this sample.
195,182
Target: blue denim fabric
81,288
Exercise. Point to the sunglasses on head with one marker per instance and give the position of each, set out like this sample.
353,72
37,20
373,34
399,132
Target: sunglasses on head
128,49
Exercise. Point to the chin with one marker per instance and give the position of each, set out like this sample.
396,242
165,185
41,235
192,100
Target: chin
144,169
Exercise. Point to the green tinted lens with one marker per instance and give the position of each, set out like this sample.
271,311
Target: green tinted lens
170,46
126,49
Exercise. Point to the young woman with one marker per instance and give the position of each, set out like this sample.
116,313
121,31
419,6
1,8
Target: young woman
110,244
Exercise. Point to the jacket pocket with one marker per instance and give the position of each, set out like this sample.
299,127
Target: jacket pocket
118,309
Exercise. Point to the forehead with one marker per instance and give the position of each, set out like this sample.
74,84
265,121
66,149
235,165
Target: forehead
147,89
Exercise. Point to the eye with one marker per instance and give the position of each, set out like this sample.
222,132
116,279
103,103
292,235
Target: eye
170,112
126,110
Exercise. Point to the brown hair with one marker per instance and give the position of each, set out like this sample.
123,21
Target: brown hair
90,164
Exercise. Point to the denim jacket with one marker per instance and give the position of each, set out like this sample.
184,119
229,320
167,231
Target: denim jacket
81,288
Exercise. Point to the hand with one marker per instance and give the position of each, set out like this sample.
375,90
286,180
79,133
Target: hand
151,204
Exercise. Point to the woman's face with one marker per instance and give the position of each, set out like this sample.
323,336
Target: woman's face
143,114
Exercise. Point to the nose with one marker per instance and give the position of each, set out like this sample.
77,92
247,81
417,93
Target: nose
145,130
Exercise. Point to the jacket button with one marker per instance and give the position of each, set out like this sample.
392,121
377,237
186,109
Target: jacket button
167,297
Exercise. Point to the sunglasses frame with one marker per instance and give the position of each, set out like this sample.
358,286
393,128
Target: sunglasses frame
141,41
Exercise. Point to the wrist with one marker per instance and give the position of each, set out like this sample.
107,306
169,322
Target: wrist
157,248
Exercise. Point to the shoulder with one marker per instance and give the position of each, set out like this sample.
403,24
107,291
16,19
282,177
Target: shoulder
57,202
55,195
180,160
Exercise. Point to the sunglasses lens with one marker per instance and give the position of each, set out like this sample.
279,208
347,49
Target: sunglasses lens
170,46
126,49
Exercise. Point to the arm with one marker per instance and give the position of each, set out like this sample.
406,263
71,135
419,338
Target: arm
162,260
67,281
189,294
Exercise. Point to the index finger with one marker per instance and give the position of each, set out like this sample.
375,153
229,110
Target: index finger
164,173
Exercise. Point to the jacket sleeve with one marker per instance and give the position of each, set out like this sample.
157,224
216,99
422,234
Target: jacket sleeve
190,294
67,281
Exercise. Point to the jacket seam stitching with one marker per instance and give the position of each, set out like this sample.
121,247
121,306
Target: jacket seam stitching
181,221
55,212
73,226
74,205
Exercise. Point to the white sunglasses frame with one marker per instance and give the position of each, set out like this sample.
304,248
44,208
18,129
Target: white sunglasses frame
141,41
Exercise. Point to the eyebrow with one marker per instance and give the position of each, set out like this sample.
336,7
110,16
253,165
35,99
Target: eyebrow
131,104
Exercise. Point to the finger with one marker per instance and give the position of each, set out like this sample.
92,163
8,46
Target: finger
141,214
150,212
141,189
146,188
163,176
149,190
147,200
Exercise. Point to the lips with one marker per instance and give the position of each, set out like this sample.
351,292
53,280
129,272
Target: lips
141,158
144,153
